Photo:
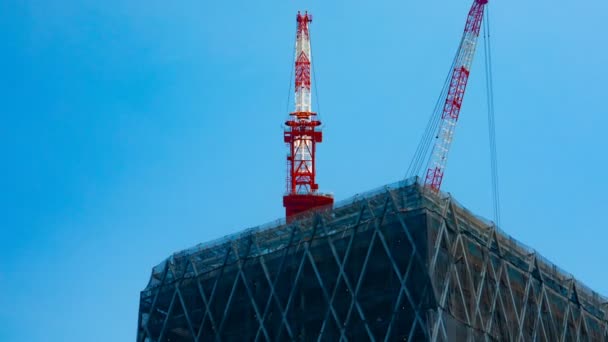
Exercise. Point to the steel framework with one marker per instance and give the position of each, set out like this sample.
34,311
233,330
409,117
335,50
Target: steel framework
454,96
398,263
303,133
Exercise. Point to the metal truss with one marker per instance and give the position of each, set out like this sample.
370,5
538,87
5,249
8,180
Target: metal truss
397,264
496,290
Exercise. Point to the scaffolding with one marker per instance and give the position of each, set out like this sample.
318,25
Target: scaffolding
396,263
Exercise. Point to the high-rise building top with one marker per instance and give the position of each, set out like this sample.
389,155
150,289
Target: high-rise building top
399,263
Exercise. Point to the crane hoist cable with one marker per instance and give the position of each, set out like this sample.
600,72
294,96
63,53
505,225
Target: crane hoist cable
289,85
491,118
421,155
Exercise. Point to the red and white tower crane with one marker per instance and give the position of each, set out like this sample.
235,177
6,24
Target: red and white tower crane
302,133
455,94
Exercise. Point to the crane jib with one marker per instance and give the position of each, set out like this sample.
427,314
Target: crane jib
454,97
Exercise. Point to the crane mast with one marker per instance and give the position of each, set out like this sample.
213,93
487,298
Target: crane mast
455,94
302,133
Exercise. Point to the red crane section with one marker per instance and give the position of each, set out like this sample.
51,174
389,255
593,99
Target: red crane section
302,133
455,95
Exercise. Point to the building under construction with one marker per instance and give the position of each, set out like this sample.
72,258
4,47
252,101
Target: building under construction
402,263
399,263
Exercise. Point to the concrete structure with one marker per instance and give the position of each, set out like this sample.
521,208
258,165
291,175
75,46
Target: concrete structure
398,263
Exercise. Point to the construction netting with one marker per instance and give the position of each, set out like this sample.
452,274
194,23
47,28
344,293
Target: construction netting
398,262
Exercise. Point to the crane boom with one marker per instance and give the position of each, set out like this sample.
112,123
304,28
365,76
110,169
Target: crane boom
455,94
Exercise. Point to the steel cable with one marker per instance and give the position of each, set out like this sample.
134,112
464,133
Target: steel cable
423,150
491,118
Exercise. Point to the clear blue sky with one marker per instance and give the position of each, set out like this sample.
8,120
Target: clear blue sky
133,129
